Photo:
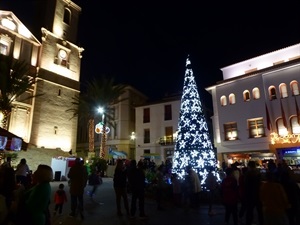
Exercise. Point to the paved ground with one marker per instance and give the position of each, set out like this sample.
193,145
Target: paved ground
102,211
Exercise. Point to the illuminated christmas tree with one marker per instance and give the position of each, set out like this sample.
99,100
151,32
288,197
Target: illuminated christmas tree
193,145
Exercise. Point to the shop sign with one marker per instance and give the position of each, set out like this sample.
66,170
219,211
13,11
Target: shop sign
287,139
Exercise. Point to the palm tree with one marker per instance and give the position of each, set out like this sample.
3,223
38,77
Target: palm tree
15,80
98,93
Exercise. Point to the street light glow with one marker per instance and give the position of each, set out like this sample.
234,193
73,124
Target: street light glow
100,109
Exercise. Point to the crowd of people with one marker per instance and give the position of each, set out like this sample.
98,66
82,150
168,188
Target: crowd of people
274,196
26,195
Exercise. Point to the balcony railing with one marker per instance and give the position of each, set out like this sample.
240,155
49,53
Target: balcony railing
166,141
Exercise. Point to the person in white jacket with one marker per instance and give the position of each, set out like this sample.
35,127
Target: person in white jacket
195,183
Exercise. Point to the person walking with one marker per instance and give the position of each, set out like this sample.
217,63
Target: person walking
274,201
136,178
7,163
229,194
252,189
78,180
34,206
22,172
60,197
95,181
160,186
120,187
212,185
176,190
195,187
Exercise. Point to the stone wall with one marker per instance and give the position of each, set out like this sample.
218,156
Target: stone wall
36,156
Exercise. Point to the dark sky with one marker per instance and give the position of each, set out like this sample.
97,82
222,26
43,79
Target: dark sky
145,43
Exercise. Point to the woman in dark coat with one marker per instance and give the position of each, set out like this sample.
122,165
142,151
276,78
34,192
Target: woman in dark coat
120,186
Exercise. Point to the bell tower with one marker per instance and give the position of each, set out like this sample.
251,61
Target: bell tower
59,75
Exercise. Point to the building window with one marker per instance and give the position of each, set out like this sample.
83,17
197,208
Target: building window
59,92
246,95
281,129
295,125
5,43
294,87
147,136
272,93
169,152
146,151
223,100
168,112
256,93
146,116
3,48
67,16
55,129
169,135
256,128
283,90
232,99
230,130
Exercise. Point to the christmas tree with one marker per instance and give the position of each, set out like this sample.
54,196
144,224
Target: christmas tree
193,145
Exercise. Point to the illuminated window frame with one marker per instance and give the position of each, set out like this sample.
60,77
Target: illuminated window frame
246,95
256,93
283,90
294,87
272,93
256,128
230,131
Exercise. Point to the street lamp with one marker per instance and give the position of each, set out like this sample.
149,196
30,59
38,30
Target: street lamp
103,138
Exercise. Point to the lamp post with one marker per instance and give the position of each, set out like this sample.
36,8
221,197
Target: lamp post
103,138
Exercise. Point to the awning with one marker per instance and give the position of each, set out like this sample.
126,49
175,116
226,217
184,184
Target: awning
151,155
117,154
11,141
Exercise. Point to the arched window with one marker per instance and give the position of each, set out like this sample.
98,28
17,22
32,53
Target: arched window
223,100
256,93
272,93
67,16
283,90
246,95
294,87
232,99
281,129
295,125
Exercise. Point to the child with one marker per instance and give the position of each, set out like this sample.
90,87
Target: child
60,198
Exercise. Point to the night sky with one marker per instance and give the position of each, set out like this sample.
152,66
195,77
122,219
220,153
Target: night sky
145,43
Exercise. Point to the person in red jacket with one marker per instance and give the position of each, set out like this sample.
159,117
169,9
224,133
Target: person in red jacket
230,196
60,197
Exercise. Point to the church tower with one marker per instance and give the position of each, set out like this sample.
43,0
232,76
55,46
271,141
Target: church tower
44,121
59,75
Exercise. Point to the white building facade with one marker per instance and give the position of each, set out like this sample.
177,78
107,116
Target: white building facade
156,127
255,108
